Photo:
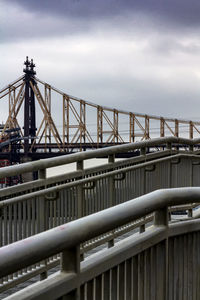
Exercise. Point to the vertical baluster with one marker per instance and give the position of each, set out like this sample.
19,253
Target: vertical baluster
20,225
43,217
24,223
114,281
141,276
128,280
198,263
80,193
190,263
111,182
50,204
194,265
180,258
107,285
24,220
147,274
5,226
29,219
5,230
10,231
99,287
185,266
1,233
55,212
121,281
66,202
153,273
62,207
67,205
33,216
83,292
15,222
125,187
73,204
90,289
87,198
59,213
29,222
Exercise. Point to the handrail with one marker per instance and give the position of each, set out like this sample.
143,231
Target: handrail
65,159
105,167
67,236
60,187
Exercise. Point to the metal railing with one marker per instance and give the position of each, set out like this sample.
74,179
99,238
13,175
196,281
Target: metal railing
161,263
36,206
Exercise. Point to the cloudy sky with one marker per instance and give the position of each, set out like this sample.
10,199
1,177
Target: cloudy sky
140,56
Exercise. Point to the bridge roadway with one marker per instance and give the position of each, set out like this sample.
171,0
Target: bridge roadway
43,204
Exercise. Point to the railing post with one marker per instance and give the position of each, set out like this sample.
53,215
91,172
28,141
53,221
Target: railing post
111,160
191,148
190,213
161,219
142,228
42,216
70,263
143,151
169,146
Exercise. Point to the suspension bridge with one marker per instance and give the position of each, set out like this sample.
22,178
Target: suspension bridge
50,122
102,232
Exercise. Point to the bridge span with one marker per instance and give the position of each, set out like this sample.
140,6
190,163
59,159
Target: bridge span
52,223
43,121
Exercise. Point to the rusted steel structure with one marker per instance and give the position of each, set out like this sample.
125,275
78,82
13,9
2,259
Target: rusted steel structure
66,123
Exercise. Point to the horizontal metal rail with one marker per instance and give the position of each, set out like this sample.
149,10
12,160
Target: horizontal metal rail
39,205
33,207
56,240
83,181
58,161
68,237
107,167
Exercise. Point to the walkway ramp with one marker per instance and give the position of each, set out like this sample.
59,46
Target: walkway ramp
96,206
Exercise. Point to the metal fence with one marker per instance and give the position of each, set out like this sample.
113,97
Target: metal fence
36,206
161,263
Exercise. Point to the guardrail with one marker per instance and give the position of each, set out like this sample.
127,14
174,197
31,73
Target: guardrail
158,264
39,205
57,161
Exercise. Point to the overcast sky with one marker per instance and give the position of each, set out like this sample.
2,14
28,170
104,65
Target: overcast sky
140,56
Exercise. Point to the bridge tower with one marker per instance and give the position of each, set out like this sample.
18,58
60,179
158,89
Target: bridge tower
29,104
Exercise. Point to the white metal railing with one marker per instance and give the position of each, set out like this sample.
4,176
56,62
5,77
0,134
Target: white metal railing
155,263
39,205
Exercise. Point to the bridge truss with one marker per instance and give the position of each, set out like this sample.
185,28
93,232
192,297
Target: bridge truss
67,124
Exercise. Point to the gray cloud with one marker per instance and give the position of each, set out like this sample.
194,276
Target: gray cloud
177,11
140,56
23,19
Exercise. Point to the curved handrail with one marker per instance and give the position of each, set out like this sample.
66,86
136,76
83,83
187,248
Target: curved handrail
41,246
65,159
